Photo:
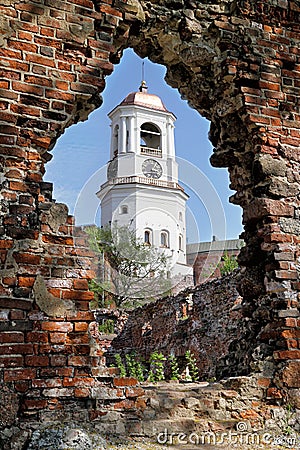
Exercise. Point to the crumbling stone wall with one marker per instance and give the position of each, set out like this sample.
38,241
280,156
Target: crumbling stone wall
237,62
204,320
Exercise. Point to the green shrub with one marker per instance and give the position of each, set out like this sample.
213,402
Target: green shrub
157,370
228,264
175,375
120,365
192,365
107,327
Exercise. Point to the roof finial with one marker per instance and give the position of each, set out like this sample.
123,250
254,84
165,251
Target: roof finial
143,86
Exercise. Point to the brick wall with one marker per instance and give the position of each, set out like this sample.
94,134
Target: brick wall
205,320
238,64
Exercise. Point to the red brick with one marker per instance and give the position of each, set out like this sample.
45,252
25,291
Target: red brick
77,295
134,392
16,349
11,361
57,338
78,381
286,274
81,326
27,88
58,360
81,316
39,59
125,404
36,361
19,374
125,381
36,336
48,383
289,334
274,393
22,386
82,392
263,382
35,404
27,258
17,315
57,326
80,284
10,337
26,281
291,322
52,93
78,361
287,354
5,243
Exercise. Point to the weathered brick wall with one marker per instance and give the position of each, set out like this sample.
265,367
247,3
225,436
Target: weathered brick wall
238,64
205,320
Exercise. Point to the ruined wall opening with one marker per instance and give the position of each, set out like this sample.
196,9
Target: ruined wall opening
237,63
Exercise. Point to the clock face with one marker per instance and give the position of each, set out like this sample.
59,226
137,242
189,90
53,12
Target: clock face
151,168
112,169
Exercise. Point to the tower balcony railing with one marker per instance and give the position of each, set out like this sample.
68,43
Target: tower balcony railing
143,180
151,151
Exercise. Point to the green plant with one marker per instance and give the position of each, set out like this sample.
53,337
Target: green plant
131,364
107,327
228,264
175,375
140,371
211,380
286,427
135,368
120,365
100,290
192,366
157,372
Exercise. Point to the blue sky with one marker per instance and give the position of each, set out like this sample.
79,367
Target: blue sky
81,153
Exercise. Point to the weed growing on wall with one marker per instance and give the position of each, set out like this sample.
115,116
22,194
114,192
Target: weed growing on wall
175,375
192,366
107,327
228,264
134,367
157,369
120,365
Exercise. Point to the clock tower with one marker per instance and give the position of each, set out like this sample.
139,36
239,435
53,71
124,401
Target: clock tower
142,189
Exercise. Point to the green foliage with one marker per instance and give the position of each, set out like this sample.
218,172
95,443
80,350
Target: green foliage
120,365
100,298
286,427
192,365
107,327
175,375
228,264
137,273
134,367
157,372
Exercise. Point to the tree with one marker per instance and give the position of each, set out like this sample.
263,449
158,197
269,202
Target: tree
137,272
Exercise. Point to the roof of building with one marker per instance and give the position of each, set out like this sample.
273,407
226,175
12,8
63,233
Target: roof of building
214,246
143,98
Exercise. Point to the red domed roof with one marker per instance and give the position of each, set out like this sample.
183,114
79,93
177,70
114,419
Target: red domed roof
144,99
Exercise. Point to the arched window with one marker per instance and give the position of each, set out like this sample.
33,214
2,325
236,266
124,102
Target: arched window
164,239
150,139
147,237
180,242
180,216
116,140
124,209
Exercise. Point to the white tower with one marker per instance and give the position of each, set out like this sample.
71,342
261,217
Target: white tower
142,189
